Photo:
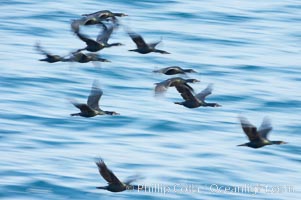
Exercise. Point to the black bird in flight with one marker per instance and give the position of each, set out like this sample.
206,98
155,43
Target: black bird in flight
194,101
98,44
174,70
258,137
114,184
142,46
91,108
51,58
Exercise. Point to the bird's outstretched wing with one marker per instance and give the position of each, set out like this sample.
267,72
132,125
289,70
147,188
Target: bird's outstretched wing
75,25
95,95
139,41
154,44
40,49
81,36
131,179
265,127
105,34
207,91
106,173
249,129
162,87
185,92
85,38
84,108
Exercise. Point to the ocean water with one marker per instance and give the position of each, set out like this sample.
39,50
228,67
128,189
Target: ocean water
249,50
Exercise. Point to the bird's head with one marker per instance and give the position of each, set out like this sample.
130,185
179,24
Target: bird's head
279,142
104,60
192,80
190,71
120,14
119,44
112,113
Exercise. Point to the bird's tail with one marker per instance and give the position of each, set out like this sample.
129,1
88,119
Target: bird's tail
180,103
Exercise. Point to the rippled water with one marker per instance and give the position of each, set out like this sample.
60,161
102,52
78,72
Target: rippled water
250,50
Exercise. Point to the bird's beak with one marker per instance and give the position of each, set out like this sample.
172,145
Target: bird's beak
241,145
218,105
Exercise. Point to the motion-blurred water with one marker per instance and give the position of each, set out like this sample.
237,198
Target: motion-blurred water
250,50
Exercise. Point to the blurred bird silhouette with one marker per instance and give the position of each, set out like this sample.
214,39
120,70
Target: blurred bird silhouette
142,46
114,184
84,58
91,108
258,137
162,87
51,58
194,101
98,44
174,70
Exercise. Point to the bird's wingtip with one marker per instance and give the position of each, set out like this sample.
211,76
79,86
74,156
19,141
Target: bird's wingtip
99,160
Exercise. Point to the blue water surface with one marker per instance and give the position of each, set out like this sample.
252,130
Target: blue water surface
249,50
